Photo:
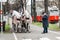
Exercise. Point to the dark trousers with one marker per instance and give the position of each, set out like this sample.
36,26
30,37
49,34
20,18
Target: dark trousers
27,26
45,29
3,26
14,26
0,28
23,25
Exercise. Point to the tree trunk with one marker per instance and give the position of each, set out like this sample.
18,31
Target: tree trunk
31,7
59,12
34,10
46,6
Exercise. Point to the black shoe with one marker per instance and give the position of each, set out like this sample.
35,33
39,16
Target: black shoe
28,31
43,32
46,32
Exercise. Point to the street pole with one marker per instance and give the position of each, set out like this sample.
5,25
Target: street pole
7,11
59,12
1,20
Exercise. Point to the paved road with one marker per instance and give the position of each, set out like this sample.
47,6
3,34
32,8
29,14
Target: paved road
34,35
7,36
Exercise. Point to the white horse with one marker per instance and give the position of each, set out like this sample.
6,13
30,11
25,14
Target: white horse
16,20
28,19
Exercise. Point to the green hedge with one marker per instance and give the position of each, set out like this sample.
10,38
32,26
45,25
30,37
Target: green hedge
7,27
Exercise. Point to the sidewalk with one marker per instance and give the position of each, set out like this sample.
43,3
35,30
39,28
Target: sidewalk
41,29
36,34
